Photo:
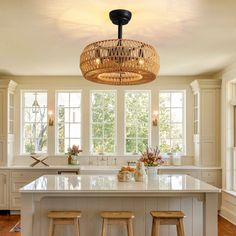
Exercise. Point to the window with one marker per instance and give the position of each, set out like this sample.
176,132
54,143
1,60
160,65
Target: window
34,119
171,134
137,121
103,122
68,130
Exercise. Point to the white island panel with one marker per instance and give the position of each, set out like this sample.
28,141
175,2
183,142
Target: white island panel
93,194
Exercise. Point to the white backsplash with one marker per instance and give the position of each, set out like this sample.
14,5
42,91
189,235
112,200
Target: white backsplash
91,160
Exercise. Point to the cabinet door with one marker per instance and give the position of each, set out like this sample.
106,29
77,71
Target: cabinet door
3,190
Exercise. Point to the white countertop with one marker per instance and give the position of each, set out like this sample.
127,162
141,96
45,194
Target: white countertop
109,184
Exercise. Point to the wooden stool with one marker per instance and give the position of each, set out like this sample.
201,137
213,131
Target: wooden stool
167,218
64,218
117,217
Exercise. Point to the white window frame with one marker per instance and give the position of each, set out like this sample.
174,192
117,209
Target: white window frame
183,114
149,119
22,104
90,122
56,116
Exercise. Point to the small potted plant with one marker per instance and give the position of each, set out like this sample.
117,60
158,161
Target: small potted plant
151,159
72,153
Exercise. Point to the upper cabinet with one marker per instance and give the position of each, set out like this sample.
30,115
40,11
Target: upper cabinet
206,122
7,89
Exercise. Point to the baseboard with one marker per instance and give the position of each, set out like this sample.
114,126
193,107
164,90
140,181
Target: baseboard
15,212
228,215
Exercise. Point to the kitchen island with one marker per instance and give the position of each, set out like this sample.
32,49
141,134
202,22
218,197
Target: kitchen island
92,194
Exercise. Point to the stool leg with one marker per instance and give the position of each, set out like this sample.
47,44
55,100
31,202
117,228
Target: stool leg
77,229
51,227
104,227
181,227
158,223
153,227
130,227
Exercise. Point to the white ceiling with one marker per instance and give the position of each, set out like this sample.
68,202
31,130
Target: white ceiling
46,37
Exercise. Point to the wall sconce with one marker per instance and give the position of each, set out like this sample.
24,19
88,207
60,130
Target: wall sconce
50,119
155,118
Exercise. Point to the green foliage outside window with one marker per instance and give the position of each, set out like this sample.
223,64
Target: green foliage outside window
103,121
137,105
171,122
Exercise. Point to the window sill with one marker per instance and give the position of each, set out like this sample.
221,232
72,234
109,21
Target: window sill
230,192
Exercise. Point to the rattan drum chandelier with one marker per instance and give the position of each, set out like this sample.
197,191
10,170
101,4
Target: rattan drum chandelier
119,61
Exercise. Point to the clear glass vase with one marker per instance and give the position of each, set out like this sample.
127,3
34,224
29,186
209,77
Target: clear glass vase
151,172
75,160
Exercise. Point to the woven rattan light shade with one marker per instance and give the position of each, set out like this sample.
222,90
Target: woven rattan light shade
119,62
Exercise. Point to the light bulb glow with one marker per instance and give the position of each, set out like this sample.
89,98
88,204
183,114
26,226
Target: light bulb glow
98,61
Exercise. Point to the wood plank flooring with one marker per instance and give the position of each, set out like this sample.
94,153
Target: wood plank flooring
7,222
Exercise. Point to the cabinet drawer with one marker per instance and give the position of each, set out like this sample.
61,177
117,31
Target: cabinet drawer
15,201
17,184
210,177
207,174
26,174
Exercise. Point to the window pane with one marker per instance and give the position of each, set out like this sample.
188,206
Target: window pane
97,146
63,99
97,131
137,116
176,115
75,131
177,100
34,122
171,121
75,100
176,131
103,121
97,115
164,99
75,115
165,145
68,120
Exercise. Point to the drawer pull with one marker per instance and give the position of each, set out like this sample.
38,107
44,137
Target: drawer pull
68,172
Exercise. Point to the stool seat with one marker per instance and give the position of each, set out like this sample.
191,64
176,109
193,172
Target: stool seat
167,218
167,214
117,217
64,218
117,214
64,214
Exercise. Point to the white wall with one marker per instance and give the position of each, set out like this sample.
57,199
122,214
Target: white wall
53,83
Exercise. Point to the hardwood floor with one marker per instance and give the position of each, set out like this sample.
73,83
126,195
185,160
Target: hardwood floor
7,222
225,228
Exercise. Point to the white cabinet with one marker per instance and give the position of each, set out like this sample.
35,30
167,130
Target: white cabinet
210,176
4,184
19,178
7,89
193,173
206,122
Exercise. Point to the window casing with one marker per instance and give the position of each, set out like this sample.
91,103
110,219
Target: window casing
137,121
172,121
103,122
68,120
34,122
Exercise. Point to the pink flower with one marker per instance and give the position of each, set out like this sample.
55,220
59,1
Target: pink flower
151,157
74,150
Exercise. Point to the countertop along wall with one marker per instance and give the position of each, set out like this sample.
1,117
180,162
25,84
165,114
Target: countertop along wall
53,83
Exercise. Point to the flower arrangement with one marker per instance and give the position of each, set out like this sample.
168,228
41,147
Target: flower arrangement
74,150
72,153
151,157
